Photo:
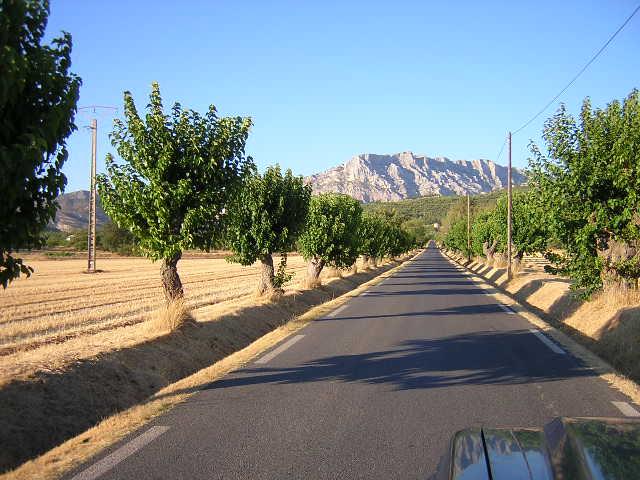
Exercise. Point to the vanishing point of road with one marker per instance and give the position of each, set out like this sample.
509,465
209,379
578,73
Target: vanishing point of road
374,390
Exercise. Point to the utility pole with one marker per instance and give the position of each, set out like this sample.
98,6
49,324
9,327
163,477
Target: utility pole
509,211
91,233
91,237
468,228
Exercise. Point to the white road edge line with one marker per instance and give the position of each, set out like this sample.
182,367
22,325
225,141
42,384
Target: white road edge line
626,409
277,351
543,338
128,449
337,311
506,309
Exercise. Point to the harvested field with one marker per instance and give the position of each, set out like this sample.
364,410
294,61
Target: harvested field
60,308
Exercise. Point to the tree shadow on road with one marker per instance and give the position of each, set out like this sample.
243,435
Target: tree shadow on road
482,358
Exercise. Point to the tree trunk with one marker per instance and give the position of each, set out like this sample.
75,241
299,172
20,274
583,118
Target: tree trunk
365,262
517,261
267,275
490,251
313,272
617,253
170,278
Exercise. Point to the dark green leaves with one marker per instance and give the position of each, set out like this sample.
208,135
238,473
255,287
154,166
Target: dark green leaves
179,174
267,215
331,232
38,97
589,183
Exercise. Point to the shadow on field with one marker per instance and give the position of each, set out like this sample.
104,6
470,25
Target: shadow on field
41,412
481,358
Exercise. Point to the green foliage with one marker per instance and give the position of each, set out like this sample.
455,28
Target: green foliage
282,277
589,183
179,173
331,232
115,239
419,229
371,233
267,215
529,232
56,239
456,236
396,240
431,209
484,232
38,97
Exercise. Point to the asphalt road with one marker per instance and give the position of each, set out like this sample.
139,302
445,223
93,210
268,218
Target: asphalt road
374,391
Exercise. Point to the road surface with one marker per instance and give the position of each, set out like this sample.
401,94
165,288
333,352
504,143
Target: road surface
374,390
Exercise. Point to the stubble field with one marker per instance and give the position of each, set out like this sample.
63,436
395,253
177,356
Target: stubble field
62,314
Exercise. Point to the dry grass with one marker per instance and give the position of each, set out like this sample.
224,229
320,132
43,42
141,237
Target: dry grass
61,314
170,317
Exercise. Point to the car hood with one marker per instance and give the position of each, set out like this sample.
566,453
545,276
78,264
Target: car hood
567,448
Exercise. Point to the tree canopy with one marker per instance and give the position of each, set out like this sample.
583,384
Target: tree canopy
179,173
331,233
267,216
38,97
589,182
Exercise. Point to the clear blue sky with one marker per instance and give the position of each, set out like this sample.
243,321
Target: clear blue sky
327,80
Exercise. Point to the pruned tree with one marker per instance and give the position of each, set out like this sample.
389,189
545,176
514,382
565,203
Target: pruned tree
529,233
590,184
331,234
179,173
371,233
38,97
267,216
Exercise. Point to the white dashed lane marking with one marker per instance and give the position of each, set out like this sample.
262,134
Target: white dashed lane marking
506,309
277,351
626,409
107,463
337,311
543,338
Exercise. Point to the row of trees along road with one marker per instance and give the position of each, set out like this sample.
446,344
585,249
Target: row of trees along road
583,197
185,183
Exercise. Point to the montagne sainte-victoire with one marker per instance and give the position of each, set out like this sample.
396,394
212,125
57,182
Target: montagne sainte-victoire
367,177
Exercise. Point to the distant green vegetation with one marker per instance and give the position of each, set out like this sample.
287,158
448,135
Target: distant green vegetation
430,209
417,215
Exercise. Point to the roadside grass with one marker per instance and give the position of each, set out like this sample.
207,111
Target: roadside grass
57,391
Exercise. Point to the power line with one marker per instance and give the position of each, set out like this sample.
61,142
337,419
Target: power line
501,150
580,72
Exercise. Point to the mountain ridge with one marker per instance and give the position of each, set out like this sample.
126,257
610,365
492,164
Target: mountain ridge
370,177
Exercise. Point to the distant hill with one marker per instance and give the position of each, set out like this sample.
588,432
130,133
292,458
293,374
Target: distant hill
431,209
370,177
73,213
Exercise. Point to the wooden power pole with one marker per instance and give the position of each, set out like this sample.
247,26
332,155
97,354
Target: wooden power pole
91,237
468,228
509,213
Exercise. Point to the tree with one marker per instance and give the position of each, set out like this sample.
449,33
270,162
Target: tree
371,233
38,97
590,184
266,217
115,239
529,232
179,173
331,234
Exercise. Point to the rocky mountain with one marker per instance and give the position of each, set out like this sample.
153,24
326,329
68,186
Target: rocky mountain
369,177
73,213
